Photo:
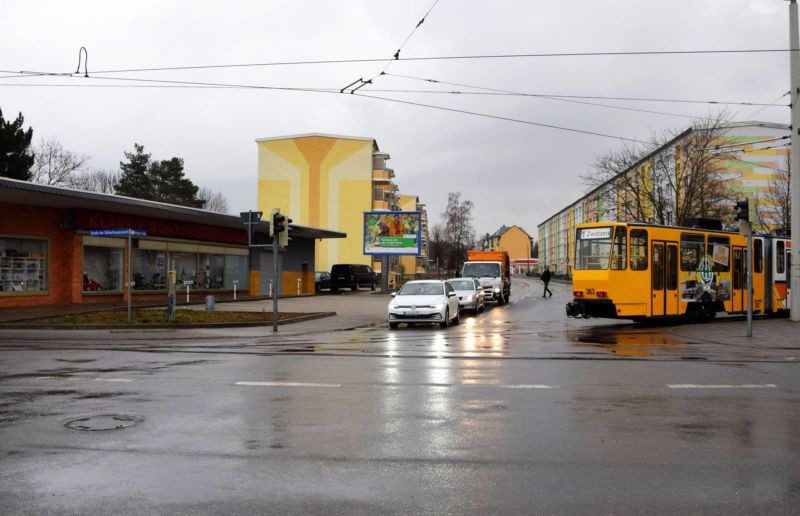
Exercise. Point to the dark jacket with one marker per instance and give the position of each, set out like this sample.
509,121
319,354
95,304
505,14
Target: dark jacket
546,276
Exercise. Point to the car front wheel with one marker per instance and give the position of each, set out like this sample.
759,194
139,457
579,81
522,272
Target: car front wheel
446,319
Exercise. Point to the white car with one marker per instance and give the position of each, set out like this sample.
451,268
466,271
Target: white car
424,301
470,294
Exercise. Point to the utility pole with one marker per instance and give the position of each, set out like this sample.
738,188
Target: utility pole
794,175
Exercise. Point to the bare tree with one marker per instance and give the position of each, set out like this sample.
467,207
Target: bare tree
773,210
457,219
54,165
668,180
215,201
101,181
700,176
438,245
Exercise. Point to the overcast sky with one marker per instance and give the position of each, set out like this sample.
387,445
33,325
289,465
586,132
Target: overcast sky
514,172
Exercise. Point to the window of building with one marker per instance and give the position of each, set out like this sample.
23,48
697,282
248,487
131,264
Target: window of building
205,267
212,271
639,249
236,270
149,269
23,265
102,268
185,267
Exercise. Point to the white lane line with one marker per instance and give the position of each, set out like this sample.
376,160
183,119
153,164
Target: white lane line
527,386
723,386
86,378
290,384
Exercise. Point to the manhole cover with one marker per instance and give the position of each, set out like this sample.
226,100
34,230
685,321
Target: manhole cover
104,422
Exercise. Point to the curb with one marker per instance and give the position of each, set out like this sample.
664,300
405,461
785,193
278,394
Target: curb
281,322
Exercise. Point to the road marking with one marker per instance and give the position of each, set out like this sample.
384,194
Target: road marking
723,386
528,386
290,384
86,378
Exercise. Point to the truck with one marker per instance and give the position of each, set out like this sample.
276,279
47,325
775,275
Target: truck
493,271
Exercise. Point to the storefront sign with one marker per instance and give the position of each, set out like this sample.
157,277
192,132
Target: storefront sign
98,220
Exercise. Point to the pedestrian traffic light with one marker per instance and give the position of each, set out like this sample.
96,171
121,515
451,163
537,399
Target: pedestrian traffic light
742,210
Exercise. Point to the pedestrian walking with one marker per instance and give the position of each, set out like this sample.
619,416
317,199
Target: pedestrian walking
546,281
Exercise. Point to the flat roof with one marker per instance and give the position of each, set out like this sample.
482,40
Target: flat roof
33,194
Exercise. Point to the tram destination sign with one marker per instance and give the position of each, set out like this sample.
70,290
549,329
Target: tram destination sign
117,232
595,233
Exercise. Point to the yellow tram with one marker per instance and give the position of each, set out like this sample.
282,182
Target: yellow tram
644,271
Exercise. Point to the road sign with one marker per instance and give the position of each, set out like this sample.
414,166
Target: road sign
117,232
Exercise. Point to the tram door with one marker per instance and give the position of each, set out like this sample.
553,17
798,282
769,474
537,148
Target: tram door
739,281
664,279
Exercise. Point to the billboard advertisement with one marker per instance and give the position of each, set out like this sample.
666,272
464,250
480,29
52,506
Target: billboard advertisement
392,232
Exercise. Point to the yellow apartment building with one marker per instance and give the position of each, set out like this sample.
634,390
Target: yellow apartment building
515,240
327,181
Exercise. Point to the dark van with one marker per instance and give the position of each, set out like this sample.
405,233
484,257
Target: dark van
352,276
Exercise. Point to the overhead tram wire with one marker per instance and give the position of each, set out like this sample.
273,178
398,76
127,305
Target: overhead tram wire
591,97
361,82
443,58
559,99
497,117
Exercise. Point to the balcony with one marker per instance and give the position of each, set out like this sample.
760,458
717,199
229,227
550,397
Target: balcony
382,176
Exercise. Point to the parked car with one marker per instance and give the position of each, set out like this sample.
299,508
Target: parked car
424,301
352,276
322,281
470,294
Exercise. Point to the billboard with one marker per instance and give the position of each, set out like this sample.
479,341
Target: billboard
392,232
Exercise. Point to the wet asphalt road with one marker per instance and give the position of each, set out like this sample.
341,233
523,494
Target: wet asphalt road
514,411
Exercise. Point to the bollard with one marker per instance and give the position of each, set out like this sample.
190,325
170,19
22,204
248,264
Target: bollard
299,286
209,303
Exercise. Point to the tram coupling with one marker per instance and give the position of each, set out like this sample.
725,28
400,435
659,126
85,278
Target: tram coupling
577,310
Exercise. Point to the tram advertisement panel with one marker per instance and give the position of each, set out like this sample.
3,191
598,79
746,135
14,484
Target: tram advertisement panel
704,277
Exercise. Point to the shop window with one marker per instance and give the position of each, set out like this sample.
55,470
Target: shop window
185,268
212,271
102,269
23,265
148,268
236,270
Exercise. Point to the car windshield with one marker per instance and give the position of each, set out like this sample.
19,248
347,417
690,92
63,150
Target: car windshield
422,289
466,284
479,269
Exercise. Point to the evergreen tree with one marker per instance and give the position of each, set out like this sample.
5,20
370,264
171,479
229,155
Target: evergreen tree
171,186
135,180
162,181
15,158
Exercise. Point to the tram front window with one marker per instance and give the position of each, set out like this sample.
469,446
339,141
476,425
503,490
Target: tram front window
593,248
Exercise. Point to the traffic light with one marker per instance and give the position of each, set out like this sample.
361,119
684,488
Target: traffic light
280,228
278,223
742,210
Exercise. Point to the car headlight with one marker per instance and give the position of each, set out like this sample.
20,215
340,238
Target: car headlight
469,298
438,306
497,289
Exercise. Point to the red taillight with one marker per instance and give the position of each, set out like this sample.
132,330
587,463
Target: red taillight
602,293
577,293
